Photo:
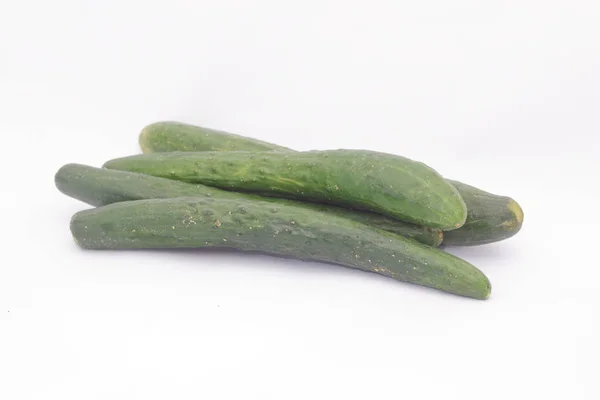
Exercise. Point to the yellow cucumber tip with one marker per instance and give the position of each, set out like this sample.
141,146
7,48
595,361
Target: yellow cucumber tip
516,209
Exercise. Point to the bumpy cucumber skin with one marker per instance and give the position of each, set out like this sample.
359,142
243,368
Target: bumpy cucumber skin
491,218
100,186
167,136
276,229
383,183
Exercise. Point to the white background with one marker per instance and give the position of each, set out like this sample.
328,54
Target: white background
501,95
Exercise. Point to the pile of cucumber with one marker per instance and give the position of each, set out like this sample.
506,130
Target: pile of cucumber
195,187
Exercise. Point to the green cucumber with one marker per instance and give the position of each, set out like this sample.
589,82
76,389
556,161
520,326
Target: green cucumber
278,229
100,186
357,179
169,135
490,218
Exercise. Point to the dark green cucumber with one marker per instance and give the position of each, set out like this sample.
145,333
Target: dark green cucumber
366,180
100,186
277,229
168,135
491,218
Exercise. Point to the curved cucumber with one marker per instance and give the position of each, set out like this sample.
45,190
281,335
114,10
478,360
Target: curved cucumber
100,186
491,218
277,229
383,183
169,135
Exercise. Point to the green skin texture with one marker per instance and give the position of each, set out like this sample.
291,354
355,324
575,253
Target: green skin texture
176,136
490,218
277,229
100,186
356,179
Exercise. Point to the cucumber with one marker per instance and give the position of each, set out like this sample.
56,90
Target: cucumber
99,187
357,179
490,218
278,229
169,135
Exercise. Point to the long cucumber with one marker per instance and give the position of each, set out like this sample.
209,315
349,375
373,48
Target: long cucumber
383,183
277,229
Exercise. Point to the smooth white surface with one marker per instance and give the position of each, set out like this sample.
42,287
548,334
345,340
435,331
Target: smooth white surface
502,95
